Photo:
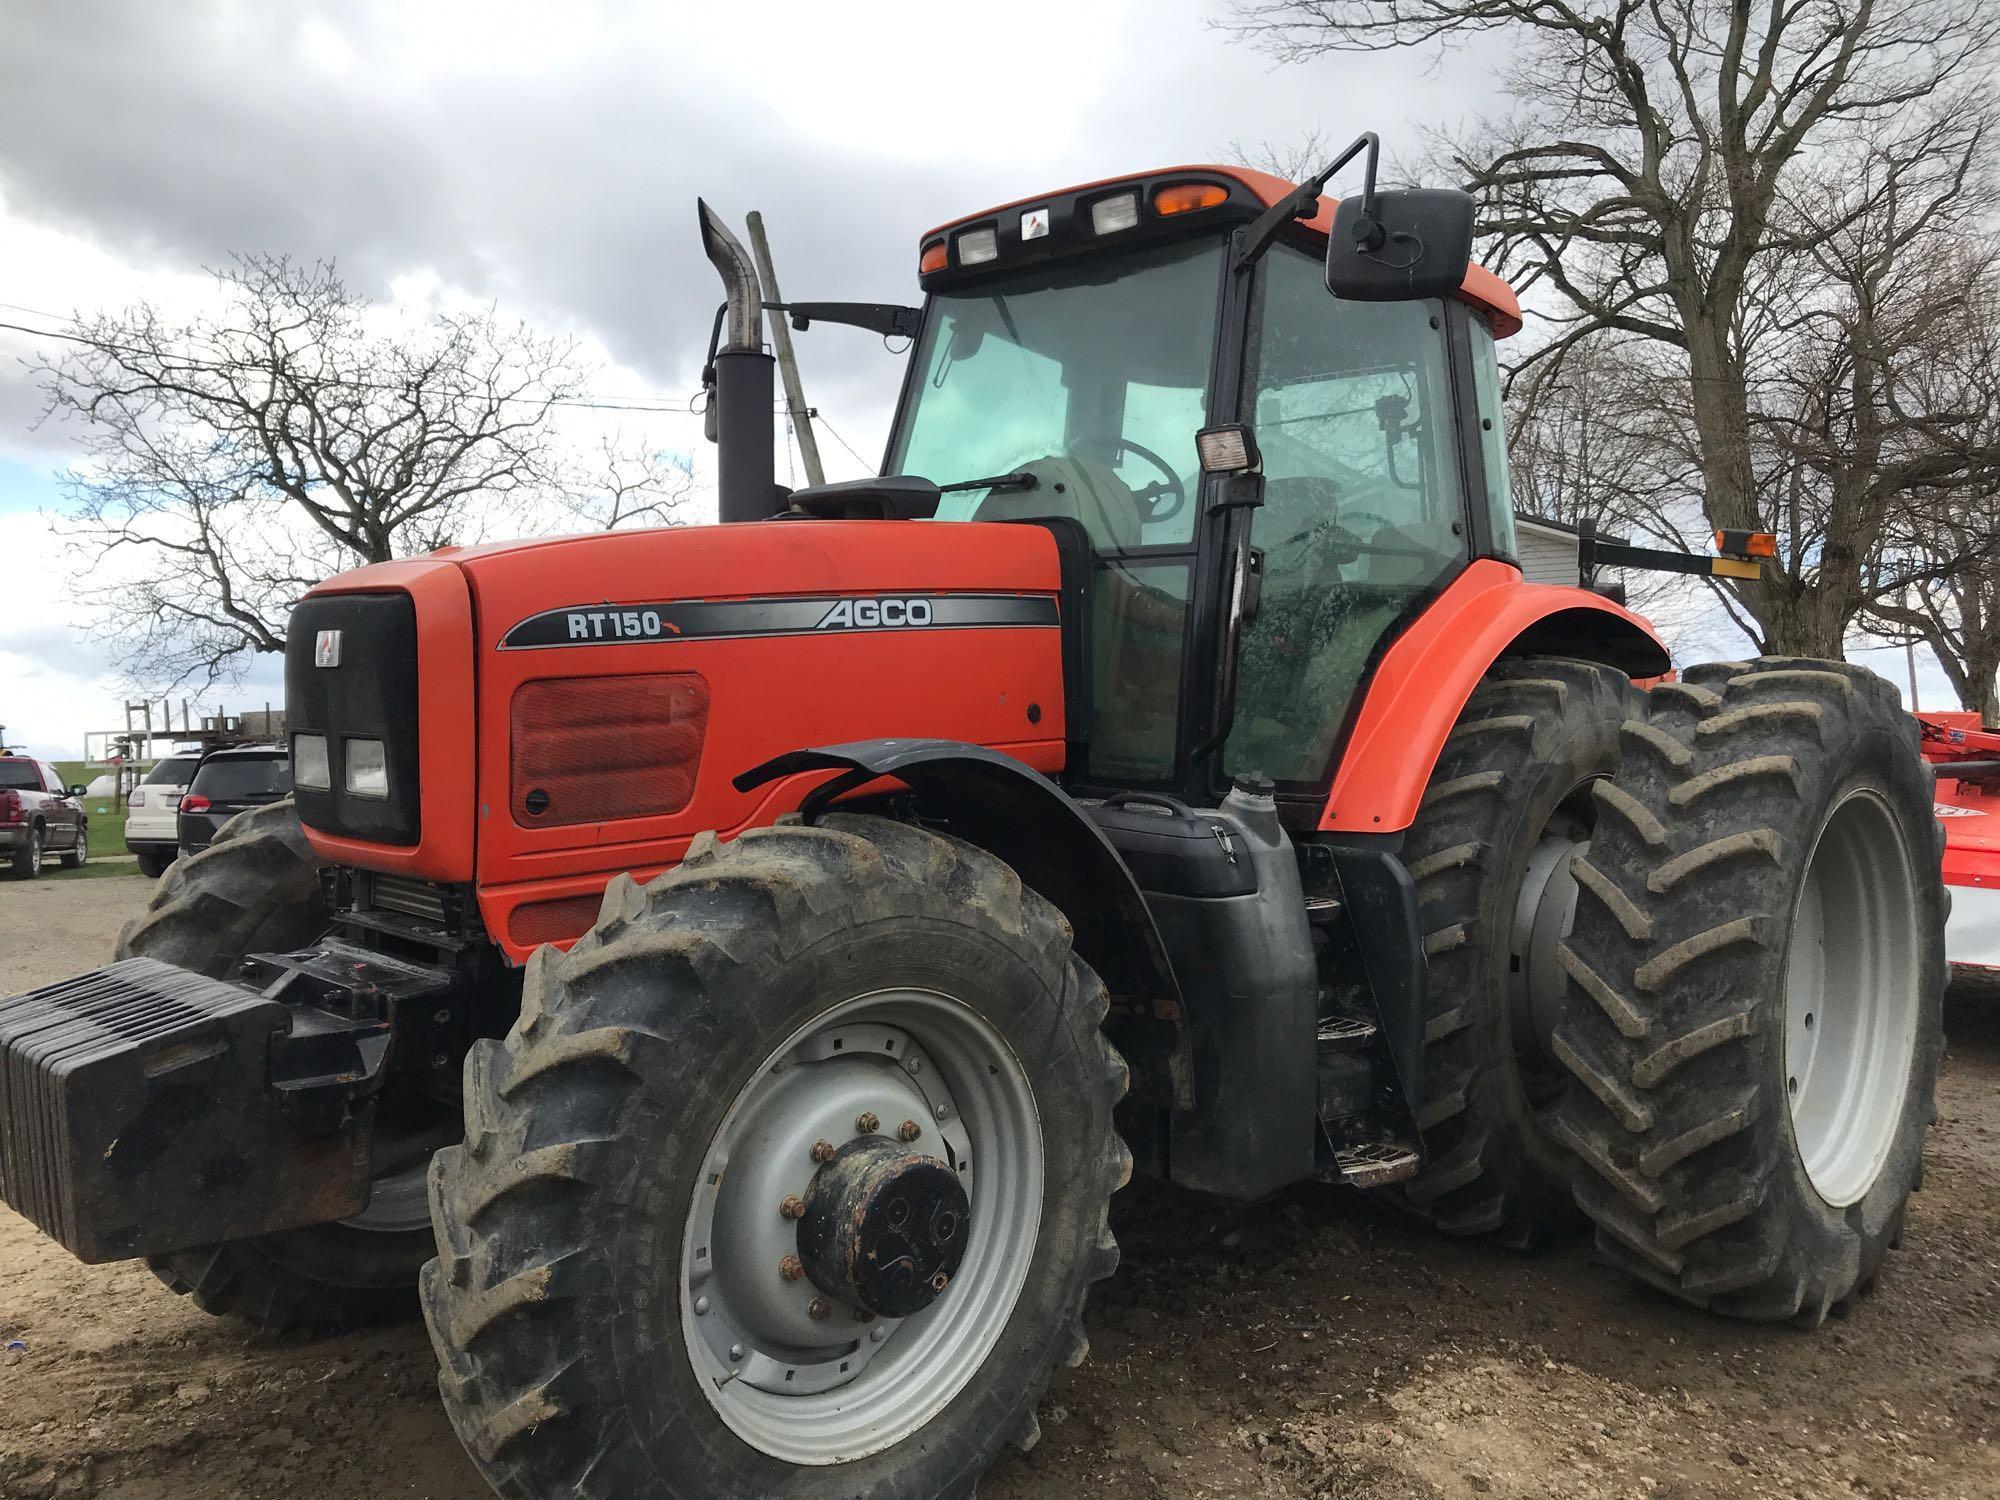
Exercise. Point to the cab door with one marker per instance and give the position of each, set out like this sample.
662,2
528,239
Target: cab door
1365,515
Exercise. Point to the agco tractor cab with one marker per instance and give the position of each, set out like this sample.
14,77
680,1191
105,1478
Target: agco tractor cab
733,967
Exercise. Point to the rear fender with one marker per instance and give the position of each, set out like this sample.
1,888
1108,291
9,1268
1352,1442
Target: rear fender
1421,686
1022,817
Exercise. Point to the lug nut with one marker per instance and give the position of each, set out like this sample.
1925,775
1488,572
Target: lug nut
940,1281
867,1122
822,1151
909,1130
791,1268
819,1307
794,1207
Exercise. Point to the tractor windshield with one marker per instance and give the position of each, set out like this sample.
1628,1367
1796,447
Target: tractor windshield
1091,377
1087,381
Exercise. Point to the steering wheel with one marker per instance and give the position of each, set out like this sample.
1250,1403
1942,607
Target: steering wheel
1330,529
1168,490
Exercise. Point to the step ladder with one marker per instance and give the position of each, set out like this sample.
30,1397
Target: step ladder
1376,1163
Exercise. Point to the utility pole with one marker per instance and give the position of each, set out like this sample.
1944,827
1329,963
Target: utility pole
781,345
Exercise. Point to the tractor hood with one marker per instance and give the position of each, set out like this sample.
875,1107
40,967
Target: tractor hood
540,703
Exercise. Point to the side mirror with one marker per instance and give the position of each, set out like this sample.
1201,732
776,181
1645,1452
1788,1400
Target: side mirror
1417,242
78,790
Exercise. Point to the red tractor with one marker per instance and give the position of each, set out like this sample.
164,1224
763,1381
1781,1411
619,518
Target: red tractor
731,969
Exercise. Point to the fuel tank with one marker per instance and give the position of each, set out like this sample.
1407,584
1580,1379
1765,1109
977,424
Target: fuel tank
575,707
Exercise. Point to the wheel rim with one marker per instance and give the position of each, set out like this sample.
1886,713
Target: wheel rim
1544,913
83,844
1851,998
830,1384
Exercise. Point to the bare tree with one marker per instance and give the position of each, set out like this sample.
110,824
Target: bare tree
1654,170
623,484
1294,160
1937,577
237,458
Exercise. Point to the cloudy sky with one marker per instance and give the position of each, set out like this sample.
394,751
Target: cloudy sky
547,159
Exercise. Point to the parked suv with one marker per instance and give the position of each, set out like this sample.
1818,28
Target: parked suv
225,783
152,813
39,815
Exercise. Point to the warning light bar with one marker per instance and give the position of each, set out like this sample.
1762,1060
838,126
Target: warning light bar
1746,543
1594,552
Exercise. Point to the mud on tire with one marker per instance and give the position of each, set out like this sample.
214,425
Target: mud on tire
1690,1162
1530,740
256,889
555,1299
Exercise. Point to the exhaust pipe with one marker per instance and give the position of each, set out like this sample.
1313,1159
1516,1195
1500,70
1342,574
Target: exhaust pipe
742,390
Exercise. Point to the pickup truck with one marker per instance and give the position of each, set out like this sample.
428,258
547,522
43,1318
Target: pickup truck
38,814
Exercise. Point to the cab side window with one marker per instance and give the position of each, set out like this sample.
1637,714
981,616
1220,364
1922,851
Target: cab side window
1364,509
1493,438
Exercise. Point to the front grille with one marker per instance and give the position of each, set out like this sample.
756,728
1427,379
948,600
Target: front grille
366,691
413,898
598,749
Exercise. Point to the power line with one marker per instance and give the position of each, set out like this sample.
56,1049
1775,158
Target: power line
681,407
645,404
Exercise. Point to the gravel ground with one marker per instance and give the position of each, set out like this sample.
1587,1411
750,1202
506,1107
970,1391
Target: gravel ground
1316,1346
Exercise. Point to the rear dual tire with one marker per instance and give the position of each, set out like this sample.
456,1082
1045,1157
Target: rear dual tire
571,1303
1757,970
1508,801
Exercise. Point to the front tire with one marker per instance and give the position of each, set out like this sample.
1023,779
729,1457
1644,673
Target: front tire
77,857
256,889
1757,972
606,1211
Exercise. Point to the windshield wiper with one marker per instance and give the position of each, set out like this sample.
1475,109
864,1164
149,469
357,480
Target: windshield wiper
1019,480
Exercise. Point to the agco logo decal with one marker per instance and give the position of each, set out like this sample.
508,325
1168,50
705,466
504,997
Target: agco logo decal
666,620
876,614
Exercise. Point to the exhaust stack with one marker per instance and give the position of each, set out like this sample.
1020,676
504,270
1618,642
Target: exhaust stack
742,392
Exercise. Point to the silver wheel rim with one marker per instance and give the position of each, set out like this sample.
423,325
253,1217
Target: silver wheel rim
83,845
834,1389
1544,914
1851,998
398,1202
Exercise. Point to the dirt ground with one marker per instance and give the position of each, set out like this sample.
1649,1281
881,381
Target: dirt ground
1314,1347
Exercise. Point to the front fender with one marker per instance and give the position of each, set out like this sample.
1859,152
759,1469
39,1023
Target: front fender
1426,676
1022,817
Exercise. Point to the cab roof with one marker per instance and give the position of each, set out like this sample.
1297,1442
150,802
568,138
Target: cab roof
1246,193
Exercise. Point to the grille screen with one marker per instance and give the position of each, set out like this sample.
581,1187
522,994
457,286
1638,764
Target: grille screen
592,749
553,921
415,898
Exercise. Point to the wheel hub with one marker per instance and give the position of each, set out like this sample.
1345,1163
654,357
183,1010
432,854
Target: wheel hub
885,1227
822,1226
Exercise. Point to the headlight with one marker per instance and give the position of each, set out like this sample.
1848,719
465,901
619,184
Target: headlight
367,767
309,761
978,246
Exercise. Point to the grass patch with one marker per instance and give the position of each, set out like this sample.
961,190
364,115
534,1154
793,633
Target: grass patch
107,828
52,869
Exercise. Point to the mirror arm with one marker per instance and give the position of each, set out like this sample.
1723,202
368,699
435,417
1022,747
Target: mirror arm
885,318
1303,202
